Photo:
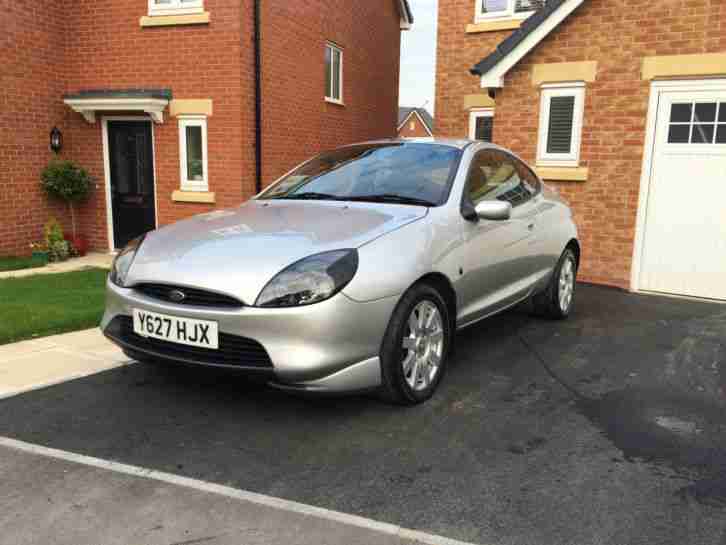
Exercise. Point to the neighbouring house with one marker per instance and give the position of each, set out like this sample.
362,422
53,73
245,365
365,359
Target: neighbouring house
415,123
177,107
621,106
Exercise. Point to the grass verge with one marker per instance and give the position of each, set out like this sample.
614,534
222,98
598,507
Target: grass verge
19,263
47,304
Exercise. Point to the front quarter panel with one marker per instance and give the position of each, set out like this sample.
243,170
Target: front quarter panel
389,265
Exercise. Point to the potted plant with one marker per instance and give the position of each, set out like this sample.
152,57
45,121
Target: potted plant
66,181
39,252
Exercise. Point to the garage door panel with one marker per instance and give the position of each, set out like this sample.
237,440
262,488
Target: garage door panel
684,250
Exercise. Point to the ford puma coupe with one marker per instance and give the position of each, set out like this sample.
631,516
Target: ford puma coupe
352,272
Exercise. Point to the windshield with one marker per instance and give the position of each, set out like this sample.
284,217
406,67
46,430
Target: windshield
404,173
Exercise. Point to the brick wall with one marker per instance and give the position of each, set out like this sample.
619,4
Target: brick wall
617,34
457,52
201,61
97,44
31,46
297,121
418,130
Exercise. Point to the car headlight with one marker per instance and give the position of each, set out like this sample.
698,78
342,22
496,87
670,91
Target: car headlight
310,280
123,260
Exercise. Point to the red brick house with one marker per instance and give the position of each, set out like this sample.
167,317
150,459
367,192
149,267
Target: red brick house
619,105
415,123
179,106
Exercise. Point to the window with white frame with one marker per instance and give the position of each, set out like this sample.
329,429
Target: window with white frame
696,122
562,109
481,124
488,9
175,7
333,73
193,153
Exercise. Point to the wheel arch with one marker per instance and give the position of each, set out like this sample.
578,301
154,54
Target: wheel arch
574,245
443,285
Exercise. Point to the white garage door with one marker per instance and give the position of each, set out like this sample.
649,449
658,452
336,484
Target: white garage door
684,240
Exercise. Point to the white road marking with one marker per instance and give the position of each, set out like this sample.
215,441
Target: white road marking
252,497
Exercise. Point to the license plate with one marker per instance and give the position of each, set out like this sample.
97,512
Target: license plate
201,333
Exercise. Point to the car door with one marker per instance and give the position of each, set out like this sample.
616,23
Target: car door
499,265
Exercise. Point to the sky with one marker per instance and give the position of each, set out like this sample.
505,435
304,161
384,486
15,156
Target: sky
418,57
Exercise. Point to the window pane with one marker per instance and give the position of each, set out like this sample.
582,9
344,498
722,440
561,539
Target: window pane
494,176
195,164
478,184
328,71
679,134
336,74
406,169
494,6
484,128
702,134
722,112
528,5
559,135
530,181
681,113
705,113
721,134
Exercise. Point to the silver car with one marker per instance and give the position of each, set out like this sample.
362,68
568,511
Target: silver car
352,272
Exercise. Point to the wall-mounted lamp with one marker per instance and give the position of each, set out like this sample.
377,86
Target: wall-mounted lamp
56,140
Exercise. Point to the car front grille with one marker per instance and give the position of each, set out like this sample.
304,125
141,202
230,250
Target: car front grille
233,350
192,296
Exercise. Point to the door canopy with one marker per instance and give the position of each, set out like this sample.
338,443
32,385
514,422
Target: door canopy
150,101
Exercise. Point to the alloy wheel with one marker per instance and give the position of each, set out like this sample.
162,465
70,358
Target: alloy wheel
566,284
423,345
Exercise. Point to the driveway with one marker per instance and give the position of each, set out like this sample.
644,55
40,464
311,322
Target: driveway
607,428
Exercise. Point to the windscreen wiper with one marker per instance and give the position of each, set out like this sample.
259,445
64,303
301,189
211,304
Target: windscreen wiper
313,196
392,198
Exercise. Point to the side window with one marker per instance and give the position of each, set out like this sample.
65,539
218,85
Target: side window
494,175
478,185
529,179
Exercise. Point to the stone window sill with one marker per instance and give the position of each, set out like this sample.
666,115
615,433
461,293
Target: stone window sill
204,197
493,26
334,102
175,20
562,174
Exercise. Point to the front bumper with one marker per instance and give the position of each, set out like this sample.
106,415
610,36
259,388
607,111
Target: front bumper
330,346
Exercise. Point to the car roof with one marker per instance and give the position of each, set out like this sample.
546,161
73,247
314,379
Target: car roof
459,143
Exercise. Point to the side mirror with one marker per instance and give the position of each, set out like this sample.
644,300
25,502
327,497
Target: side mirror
494,210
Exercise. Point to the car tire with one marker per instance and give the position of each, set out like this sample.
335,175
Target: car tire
414,362
556,301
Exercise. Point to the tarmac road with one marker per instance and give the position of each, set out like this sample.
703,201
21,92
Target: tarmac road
608,428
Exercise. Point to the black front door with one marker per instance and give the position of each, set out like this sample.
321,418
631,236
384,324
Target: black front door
132,180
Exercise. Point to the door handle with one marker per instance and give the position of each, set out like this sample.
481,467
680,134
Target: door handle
530,226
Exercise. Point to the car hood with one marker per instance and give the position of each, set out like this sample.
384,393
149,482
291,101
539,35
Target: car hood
238,251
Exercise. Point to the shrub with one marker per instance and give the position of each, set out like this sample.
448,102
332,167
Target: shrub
66,181
58,248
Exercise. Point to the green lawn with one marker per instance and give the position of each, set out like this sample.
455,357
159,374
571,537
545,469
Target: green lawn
17,263
46,304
